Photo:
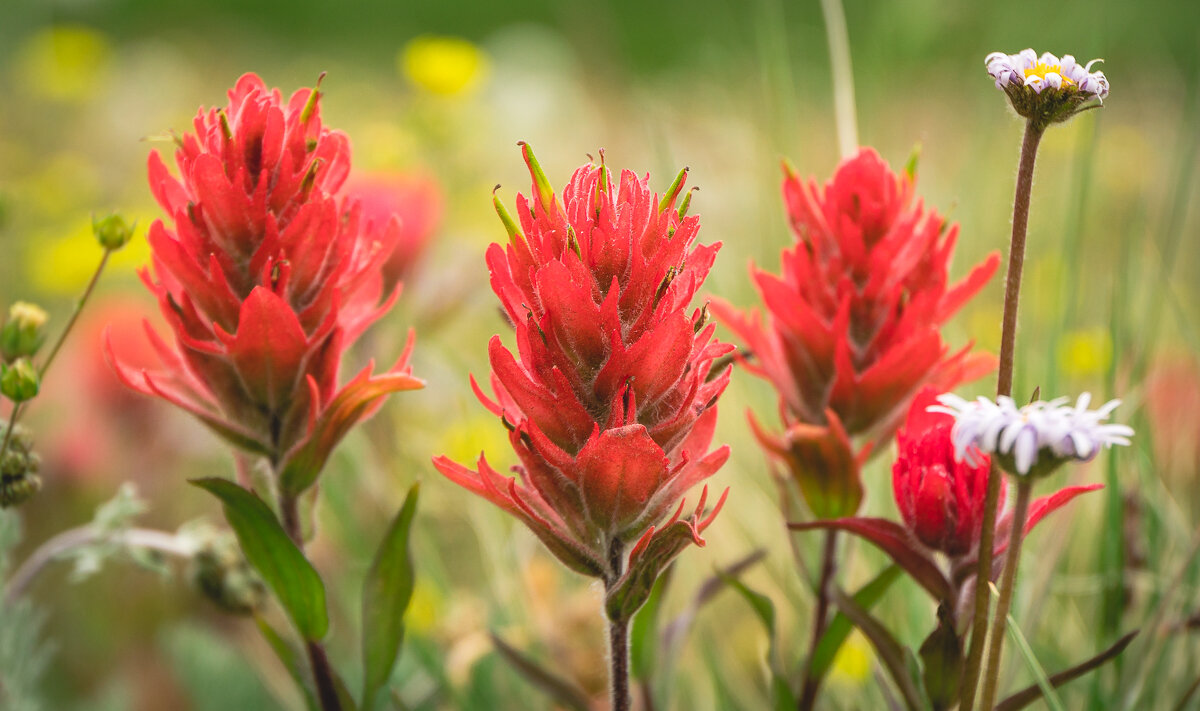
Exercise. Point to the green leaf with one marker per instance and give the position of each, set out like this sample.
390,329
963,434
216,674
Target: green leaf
895,657
643,636
781,692
559,689
387,591
282,565
291,660
838,630
1035,667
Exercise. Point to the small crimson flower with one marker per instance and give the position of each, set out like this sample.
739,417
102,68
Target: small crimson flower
941,500
855,319
611,399
265,277
939,496
407,209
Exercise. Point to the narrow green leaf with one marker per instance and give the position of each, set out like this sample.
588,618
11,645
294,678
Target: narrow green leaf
643,635
296,584
1028,695
781,691
387,591
891,653
291,660
838,630
559,689
1035,667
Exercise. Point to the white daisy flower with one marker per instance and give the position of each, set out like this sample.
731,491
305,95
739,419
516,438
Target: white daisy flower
1047,88
1033,439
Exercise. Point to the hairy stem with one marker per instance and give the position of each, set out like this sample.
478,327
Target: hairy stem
843,76
1012,558
618,636
808,694
66,541
1008,342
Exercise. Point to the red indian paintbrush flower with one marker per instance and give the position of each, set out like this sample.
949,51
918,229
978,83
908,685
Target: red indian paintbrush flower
854,322
265,277
941,505
611,405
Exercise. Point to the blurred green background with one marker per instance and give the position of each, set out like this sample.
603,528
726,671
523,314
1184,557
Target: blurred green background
1111,305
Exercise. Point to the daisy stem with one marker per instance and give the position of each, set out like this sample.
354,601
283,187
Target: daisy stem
843,76
1008,341
1012,557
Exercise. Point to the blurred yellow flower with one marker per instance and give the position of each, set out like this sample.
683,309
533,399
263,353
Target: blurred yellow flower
63,265
64,63
1085,352
443,65
424,608
852,664
474,434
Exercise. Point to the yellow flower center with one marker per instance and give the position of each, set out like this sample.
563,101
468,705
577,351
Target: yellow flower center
1041,70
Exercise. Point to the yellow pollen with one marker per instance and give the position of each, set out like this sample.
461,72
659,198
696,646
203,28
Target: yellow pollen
1042,70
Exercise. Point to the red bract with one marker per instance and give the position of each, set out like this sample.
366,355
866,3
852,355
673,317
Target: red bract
265,277
609,401
855,315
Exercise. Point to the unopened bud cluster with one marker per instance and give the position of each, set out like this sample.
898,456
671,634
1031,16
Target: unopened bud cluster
19,465
220,572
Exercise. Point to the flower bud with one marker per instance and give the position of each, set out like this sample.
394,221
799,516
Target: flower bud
112,232
220,572
18,468
24,331
19,381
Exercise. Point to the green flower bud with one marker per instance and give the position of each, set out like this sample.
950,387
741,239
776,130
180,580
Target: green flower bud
24,331
220,572
20,381
18,469
112,232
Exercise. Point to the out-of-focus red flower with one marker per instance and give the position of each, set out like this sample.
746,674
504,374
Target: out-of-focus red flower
856,313
265,278
940,499
609,401
408,207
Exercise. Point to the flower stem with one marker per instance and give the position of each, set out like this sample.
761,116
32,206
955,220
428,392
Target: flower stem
808,694
83,299
843,76
323,675
1008,341
618,654
618,636
1012,558
62,337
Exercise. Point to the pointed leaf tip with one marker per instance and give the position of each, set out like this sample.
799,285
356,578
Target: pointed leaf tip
545,192
387,592
668,198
